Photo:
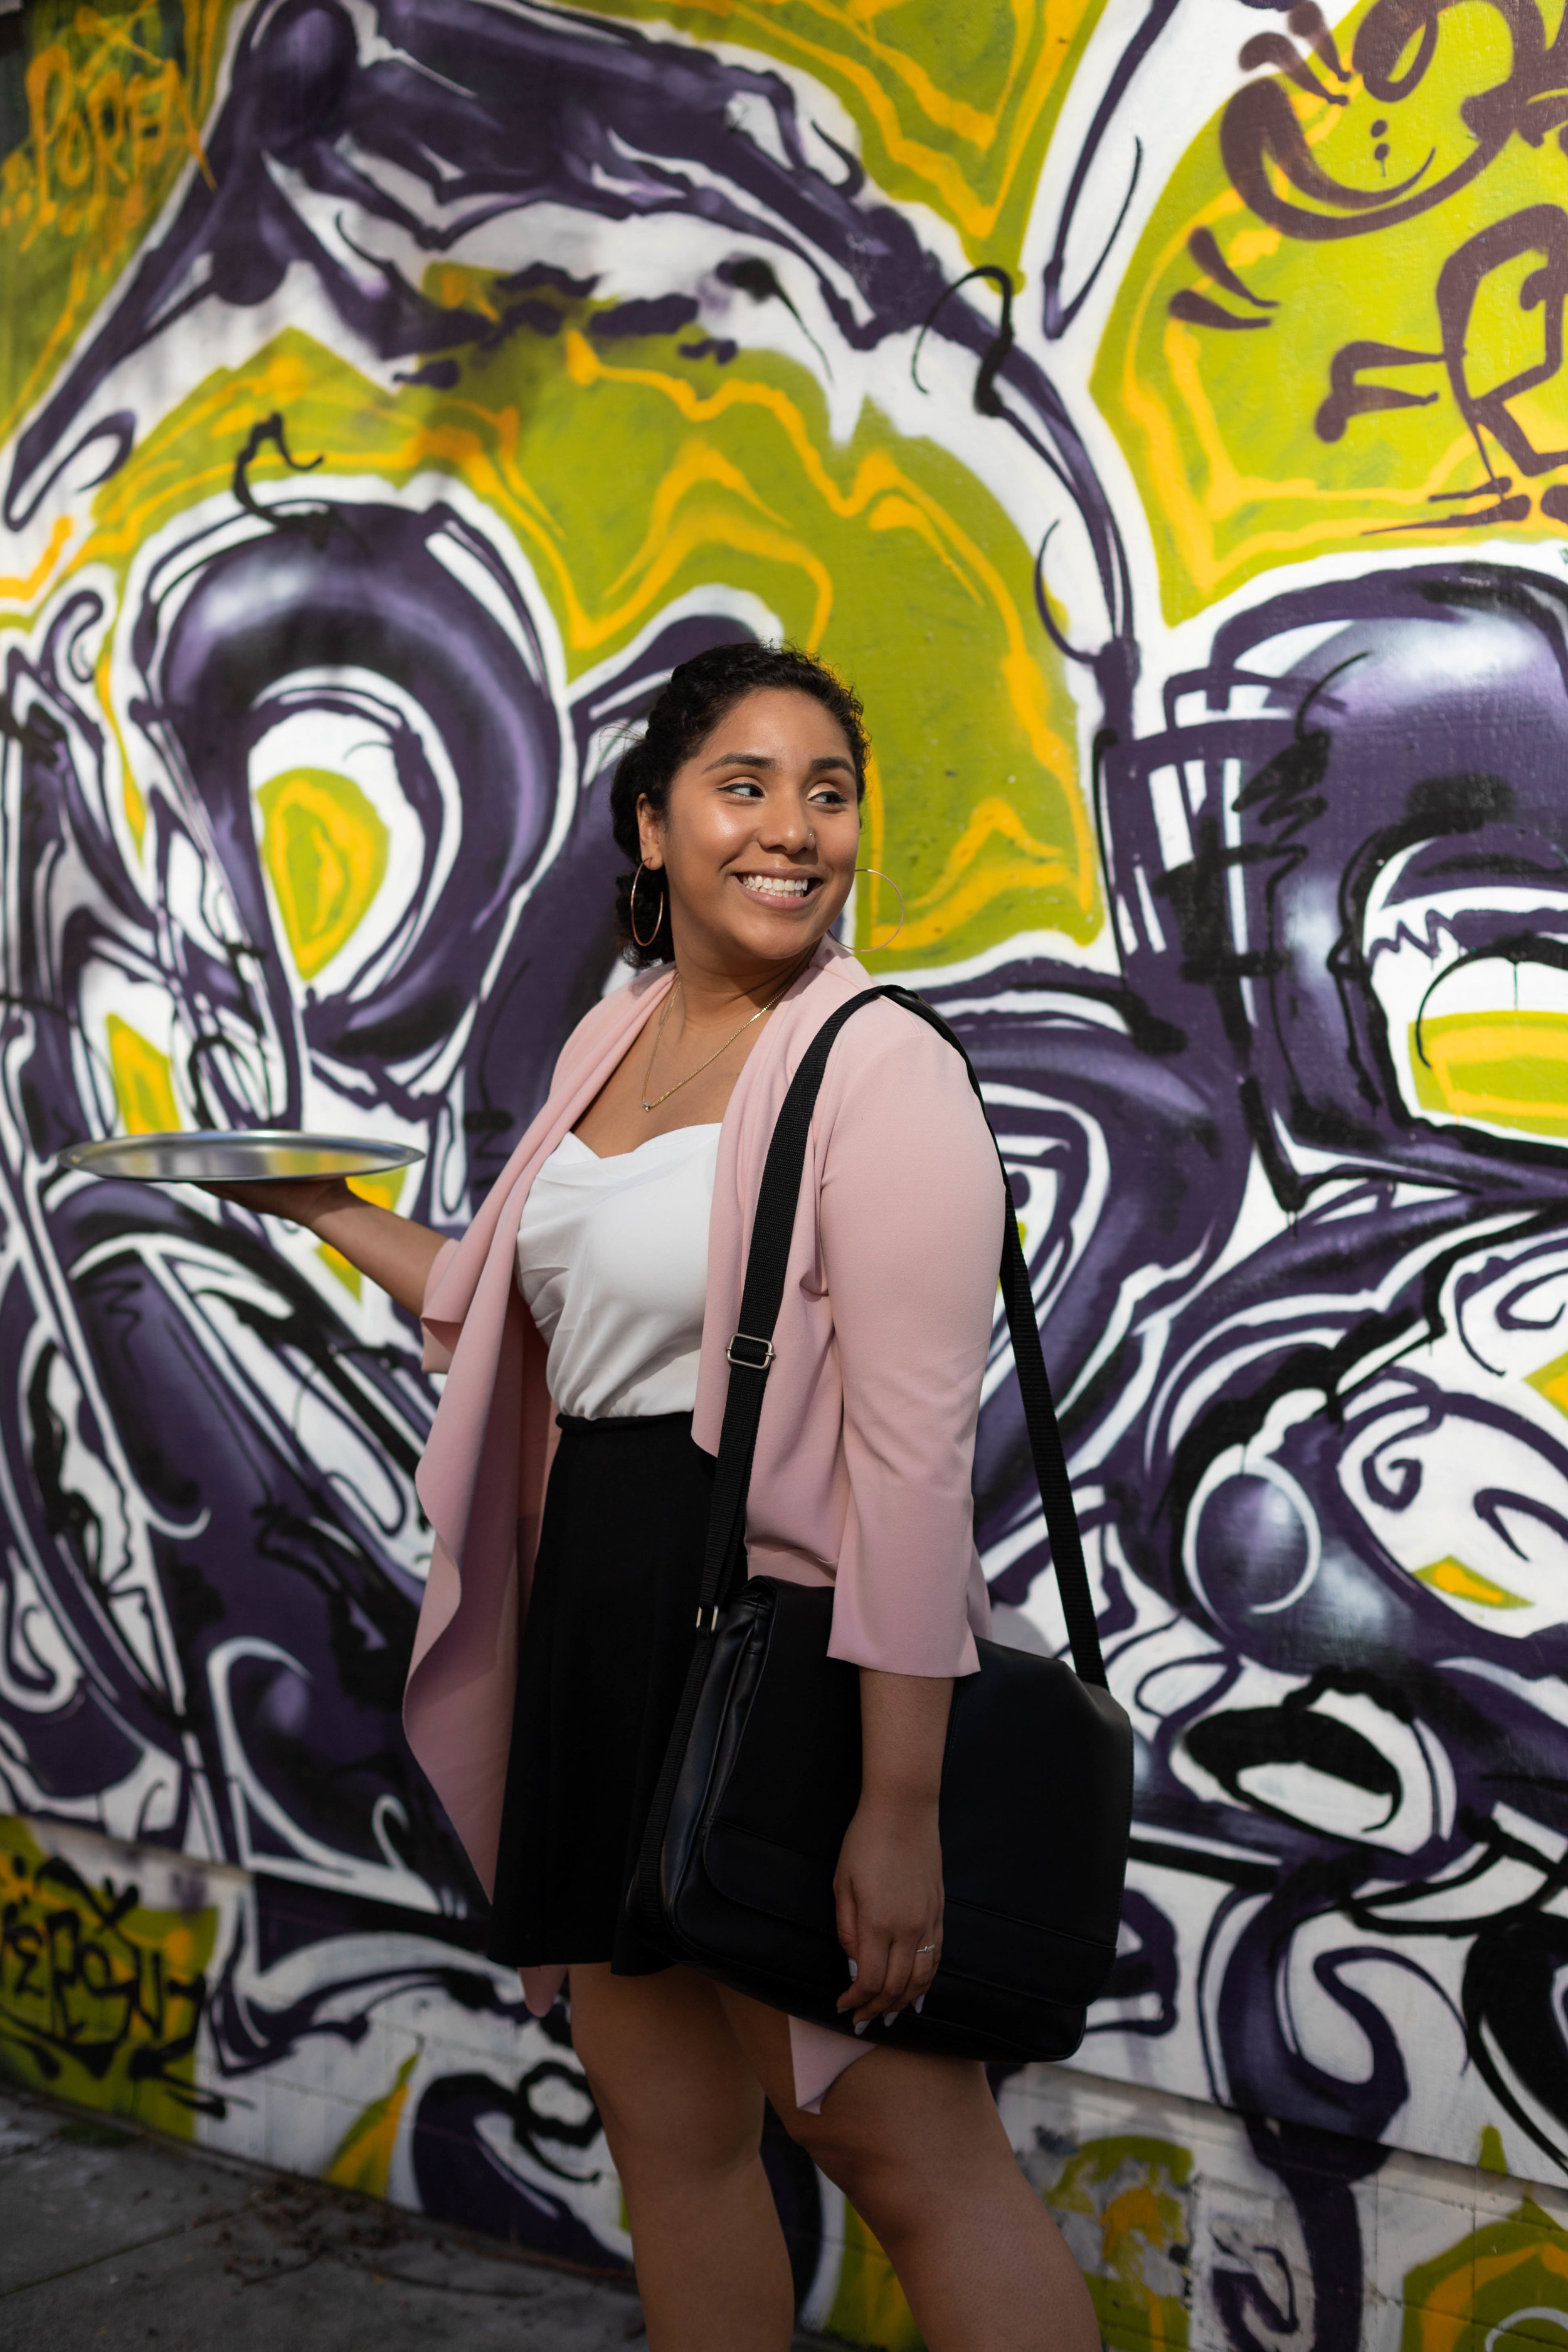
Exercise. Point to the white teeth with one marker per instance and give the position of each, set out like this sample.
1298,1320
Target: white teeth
775,885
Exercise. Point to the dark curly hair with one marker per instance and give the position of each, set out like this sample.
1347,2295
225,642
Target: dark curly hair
699,693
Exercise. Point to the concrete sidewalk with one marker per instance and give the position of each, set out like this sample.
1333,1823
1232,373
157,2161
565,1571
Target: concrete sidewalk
111,2239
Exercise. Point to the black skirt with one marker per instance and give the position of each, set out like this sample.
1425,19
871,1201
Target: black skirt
605,1645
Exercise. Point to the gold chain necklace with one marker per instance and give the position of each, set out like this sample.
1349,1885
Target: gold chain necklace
760,1012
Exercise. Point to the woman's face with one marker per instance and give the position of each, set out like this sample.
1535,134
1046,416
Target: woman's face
759,833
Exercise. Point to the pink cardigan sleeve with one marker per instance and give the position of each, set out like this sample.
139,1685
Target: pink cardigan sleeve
910,1214
437,1356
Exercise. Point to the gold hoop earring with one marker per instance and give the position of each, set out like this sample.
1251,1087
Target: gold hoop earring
632,912
899,926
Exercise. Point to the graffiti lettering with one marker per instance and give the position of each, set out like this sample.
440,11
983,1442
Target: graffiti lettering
1197,309
100,2000
99,137
1260,132
1348,396
1274,49
1487,408
1542,229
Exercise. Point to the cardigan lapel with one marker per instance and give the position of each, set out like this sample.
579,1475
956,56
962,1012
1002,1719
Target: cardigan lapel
482,1477
469,1309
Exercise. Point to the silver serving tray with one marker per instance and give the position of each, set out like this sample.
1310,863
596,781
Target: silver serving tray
253,1155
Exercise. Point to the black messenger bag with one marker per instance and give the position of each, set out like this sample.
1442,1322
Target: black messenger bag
762,1773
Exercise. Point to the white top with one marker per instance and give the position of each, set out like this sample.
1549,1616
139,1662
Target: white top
612,1259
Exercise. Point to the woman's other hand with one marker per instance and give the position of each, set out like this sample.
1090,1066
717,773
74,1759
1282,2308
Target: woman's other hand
888,1886
888,1895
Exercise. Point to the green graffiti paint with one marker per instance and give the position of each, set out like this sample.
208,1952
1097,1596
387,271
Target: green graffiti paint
955,107
1504,2285
114,102
101,1995
324,848
1122,2203
883,552
1280,392
362,2158
870,2306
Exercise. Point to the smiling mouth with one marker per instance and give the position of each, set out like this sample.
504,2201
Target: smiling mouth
786,889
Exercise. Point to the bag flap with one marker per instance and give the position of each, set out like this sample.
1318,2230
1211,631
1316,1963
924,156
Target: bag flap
986,1945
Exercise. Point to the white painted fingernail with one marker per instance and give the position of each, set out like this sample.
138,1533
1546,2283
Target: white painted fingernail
854,1971
920,2004
865,2022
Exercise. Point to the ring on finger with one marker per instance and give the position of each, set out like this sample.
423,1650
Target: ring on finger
922,1948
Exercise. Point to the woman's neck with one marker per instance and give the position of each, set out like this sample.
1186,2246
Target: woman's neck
709,995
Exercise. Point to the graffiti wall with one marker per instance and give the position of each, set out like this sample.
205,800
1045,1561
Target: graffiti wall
1159,412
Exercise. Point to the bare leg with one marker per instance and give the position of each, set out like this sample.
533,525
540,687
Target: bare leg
918,2148
682,2111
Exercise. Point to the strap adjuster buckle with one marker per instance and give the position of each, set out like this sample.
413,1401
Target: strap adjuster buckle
749,1363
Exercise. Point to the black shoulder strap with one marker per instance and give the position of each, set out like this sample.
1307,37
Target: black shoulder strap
752,1353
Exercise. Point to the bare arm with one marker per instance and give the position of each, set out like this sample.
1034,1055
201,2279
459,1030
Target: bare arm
911,1275
888,1885
391,1251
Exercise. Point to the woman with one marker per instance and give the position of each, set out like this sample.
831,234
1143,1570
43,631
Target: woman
582,1323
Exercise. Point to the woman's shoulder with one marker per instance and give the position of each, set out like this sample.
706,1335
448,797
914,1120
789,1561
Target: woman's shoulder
617,1009
878,1029
888,1068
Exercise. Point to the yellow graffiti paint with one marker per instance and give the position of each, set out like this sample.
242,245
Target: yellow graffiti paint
1285,393
143,1080
880,491
631,481
971,876
20,588
130,797
115,102
362,2158
101,1995
1552,1382
385,1190
1134,2188
324,848
955,106
1461,1583
338,1264
1506,2283
1508,1069
869,2307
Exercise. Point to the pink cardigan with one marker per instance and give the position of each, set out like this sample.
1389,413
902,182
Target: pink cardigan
865,1452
